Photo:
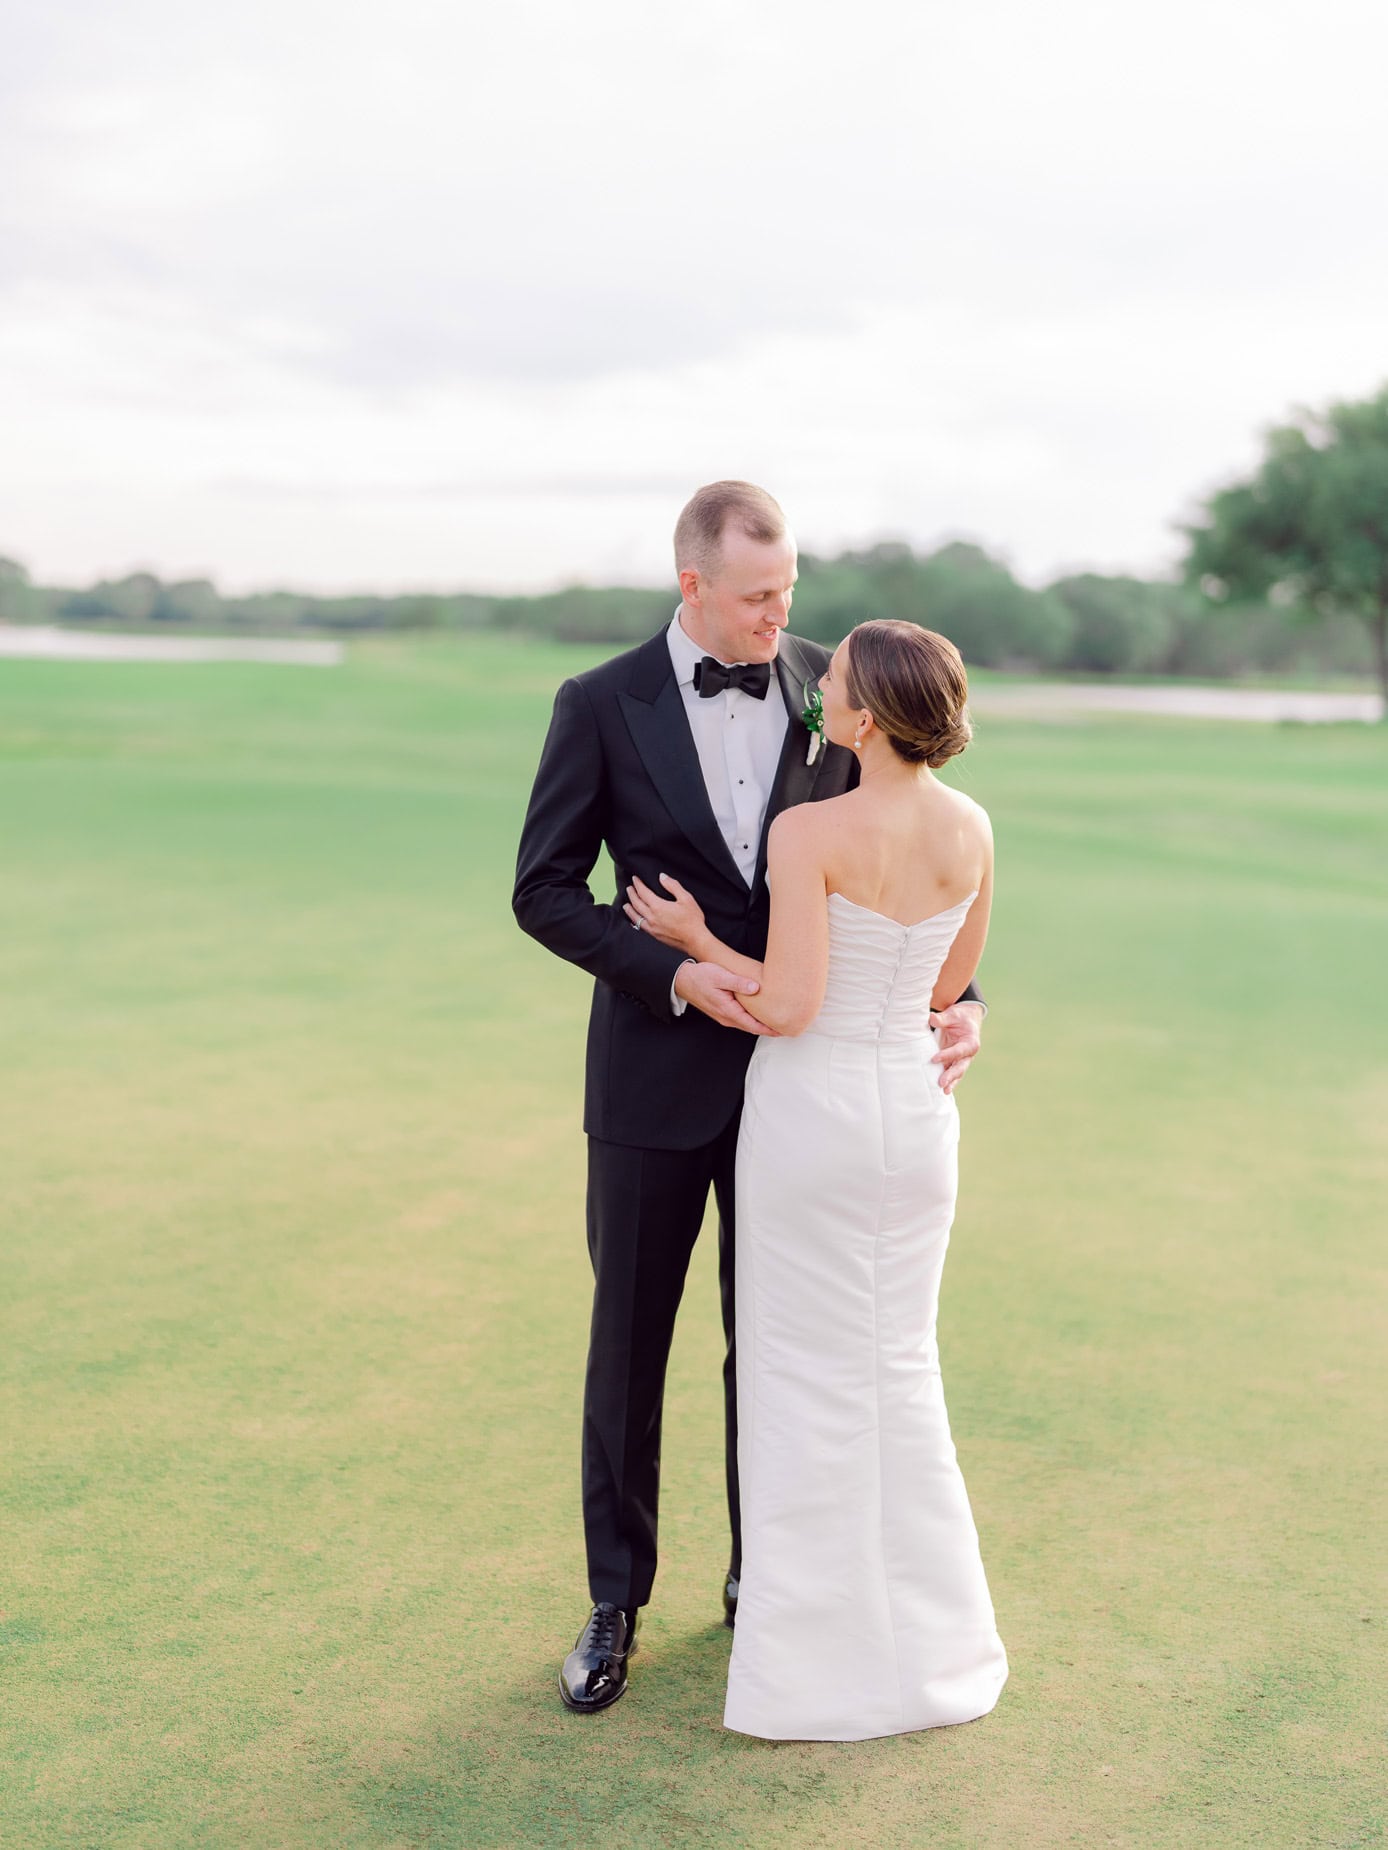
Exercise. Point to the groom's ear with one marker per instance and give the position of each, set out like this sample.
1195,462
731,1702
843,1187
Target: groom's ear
691,586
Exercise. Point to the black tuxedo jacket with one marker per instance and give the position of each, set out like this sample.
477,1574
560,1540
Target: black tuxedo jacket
619,769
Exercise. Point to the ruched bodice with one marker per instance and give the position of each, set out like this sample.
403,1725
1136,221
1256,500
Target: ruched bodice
882,974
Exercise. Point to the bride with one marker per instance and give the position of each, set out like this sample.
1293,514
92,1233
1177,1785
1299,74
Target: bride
864,1609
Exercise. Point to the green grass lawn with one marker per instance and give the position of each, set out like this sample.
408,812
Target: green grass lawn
295,1295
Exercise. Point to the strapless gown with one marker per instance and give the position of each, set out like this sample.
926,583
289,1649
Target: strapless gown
864,1609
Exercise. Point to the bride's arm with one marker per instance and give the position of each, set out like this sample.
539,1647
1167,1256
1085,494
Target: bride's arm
793,976
797,945
966,952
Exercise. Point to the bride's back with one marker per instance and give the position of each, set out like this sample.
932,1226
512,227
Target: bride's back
907,851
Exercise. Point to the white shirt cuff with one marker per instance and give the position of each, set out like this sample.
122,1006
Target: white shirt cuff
677,1003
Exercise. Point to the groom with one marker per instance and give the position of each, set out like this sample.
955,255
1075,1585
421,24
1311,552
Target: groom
677,756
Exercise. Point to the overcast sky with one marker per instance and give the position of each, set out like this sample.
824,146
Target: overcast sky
348,295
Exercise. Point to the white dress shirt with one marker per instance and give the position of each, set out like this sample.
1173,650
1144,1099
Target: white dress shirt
739,740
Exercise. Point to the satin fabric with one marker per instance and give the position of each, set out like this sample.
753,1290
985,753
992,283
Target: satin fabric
863,1609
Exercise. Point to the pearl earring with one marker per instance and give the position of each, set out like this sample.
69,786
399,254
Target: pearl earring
857,745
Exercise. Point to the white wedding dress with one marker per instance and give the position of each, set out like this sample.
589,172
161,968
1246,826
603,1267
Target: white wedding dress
863,1608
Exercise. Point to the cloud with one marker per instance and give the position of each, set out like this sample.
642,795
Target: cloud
1033,273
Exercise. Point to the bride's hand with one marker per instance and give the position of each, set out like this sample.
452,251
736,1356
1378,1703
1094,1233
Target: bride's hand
678,920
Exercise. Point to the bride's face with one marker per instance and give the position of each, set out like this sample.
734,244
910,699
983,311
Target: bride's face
840,720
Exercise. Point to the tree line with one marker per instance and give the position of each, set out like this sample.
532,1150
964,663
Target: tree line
1089,623
1286,572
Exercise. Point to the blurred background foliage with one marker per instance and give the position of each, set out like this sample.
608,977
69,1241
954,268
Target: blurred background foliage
1086,624
1285,573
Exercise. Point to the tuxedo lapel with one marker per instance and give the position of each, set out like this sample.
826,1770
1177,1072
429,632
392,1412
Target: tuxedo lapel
794,778
653,709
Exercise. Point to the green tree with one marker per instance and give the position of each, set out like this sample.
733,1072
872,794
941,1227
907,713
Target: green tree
834,596
191,600
1122,625
588,613
1310,529
993,621
134,599
19,599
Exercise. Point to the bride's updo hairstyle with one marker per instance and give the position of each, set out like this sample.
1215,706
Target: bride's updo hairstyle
913,683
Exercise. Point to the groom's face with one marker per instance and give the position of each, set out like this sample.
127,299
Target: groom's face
741,607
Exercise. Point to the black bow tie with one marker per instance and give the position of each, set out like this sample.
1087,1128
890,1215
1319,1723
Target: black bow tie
711,677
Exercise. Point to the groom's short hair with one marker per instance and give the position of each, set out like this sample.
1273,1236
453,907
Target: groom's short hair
705,516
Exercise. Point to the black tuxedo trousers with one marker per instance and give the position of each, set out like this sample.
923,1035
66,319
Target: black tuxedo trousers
662,1094
645,1208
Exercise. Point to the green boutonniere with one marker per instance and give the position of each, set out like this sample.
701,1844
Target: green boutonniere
813,716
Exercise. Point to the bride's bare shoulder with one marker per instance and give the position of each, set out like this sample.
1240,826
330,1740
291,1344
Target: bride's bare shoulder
968,812
797,825
807,822
809,831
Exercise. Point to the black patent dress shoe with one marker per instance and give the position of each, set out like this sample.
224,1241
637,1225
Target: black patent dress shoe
595,1671
730,1592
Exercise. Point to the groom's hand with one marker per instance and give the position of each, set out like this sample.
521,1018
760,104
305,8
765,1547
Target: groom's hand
714,991
960,1028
